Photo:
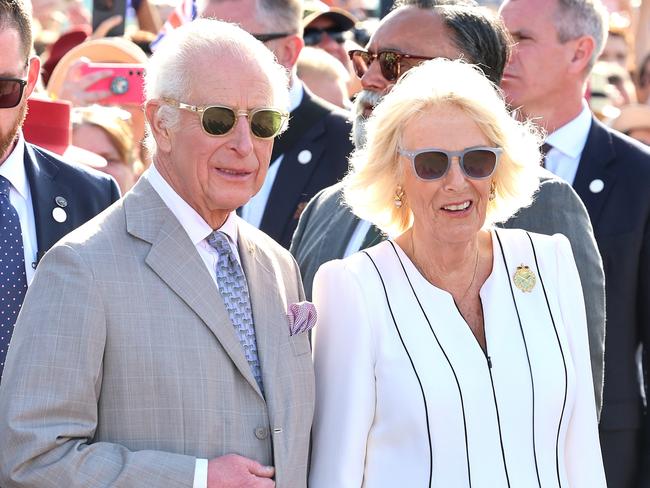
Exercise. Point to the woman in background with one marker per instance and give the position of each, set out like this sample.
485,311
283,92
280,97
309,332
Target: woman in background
107,131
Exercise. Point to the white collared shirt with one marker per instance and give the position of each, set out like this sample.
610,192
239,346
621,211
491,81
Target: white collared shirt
568,142
20,196
197,230
253,211
194,225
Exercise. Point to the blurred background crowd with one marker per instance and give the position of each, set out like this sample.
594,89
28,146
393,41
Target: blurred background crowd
619,90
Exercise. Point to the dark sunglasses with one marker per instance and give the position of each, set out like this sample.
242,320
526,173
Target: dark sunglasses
271,37
390,62
313,37
218,120
476,163
11,91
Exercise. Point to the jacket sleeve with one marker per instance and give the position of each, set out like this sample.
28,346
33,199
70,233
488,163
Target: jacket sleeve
582,450
344,363
51,387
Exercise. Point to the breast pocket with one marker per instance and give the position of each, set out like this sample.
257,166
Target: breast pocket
300,344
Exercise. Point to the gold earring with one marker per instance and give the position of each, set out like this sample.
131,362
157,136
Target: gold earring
493,191
398,199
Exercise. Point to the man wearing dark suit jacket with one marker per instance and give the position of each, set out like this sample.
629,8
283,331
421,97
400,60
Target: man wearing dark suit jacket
44,197
329,230
557,44
312,154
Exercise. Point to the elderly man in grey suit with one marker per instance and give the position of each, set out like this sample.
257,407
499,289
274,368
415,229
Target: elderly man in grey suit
424,29
154,348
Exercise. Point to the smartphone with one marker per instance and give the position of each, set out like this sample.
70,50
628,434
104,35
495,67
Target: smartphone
103,9
126,84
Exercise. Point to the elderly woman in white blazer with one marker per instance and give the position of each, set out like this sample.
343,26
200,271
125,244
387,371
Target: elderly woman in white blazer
454,354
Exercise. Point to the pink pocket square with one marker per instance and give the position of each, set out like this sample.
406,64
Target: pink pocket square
302,317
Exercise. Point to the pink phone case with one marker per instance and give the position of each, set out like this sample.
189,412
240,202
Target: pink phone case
126,84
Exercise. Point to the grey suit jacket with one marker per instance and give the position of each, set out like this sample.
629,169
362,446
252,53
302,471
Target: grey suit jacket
124,366
326,226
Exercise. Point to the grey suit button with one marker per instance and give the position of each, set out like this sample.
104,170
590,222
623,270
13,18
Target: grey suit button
261,433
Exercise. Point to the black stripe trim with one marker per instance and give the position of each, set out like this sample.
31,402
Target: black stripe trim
417,376
460,393
530,368
566,381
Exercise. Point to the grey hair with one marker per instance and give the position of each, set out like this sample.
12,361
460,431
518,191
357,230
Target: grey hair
433,3
576,18
281,15
276,15
172,67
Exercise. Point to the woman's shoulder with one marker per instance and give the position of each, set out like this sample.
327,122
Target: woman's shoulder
542,243
361,261
362,267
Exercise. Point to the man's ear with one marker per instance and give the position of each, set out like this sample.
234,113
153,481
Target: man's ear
288,49
583,49
158,128
33,74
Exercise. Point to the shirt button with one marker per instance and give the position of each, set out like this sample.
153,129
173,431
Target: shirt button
261,433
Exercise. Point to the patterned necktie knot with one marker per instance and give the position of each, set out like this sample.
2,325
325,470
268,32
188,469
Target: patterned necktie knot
219,241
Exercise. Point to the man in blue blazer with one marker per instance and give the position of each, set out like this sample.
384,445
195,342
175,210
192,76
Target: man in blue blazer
313,153
41,196
557,44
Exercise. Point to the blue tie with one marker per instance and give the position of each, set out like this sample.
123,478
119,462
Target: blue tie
13,280
234,291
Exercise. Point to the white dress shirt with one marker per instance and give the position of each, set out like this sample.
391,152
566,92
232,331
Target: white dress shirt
20,197
253,211
198,231
568,142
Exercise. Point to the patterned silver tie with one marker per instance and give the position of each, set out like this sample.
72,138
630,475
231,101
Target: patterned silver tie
234,291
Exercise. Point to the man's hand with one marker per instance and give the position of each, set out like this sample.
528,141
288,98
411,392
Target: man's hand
234,471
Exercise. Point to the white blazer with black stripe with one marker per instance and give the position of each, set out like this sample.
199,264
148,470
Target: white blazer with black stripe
406,397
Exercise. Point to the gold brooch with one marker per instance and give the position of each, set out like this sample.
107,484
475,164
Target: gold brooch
524,278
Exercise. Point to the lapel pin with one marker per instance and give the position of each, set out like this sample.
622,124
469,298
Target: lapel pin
524,278
59,215
61,201
304,156
596,186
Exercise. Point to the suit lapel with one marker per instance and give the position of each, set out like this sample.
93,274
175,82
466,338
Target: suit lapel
267,305
44,188
595,166
297,166
175,260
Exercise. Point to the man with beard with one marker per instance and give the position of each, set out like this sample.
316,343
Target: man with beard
42,198
413,32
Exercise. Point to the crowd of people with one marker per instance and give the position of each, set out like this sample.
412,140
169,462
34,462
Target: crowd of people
275,243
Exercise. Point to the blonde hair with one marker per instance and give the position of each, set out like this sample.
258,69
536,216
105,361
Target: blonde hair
369,188
115,121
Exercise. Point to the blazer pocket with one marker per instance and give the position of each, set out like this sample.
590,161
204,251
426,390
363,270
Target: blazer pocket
300,344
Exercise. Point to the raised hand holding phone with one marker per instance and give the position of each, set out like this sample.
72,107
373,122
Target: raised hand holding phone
79,79
124,84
